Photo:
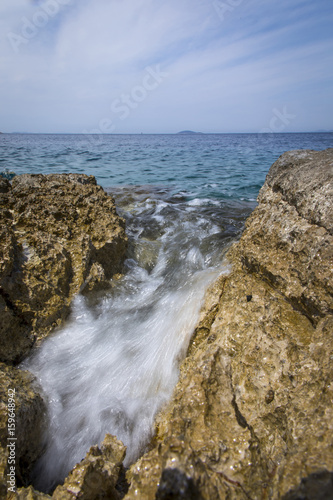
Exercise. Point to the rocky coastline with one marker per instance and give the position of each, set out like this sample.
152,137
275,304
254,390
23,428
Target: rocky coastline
60,235
252,414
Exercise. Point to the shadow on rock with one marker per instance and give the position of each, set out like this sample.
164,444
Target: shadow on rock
317,486
175,485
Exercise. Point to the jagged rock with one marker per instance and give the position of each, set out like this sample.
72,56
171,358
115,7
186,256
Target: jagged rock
293,228
96,476
26,426
252,414
59,234
28,494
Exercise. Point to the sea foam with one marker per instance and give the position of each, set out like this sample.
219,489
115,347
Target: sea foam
116,361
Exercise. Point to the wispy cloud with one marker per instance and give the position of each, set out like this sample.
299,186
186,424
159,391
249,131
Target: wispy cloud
223,74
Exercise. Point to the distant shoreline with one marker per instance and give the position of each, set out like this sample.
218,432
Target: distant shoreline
170,133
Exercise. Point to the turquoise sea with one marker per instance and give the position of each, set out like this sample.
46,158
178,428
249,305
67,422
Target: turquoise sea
185,199
219,166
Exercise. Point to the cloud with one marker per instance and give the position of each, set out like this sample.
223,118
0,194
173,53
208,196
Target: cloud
227,67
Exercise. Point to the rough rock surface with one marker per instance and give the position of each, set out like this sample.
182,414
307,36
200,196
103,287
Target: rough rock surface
252,414
97,476
59,234
29,423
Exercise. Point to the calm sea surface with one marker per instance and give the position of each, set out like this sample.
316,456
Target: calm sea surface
185,198
214,165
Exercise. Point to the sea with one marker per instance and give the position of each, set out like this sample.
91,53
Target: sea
185,198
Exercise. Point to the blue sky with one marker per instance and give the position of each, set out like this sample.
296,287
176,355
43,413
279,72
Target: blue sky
161,66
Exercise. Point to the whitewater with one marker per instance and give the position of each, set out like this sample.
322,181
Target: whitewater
115,362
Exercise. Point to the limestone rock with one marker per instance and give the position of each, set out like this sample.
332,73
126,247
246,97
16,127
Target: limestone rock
288,240
59,234
252,414
28,425
304,179
96,476
28,494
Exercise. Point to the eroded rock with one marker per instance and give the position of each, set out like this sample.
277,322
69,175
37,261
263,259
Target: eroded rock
26,427
97,475
252,414
27,494
288,240
59,234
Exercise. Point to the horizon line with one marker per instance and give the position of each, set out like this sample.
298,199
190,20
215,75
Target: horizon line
169,133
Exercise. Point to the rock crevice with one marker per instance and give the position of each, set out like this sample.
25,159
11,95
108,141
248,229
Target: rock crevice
59,235
252,414
253,404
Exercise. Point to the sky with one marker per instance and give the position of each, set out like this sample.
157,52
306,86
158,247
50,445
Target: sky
162,66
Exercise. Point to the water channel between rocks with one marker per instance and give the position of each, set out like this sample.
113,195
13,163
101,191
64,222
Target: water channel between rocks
115,362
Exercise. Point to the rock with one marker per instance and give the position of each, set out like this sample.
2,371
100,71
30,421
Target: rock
293,227
28,494
175,485
252,414
27,425
97,475
146,253
317,486
4,185
304,180
59,235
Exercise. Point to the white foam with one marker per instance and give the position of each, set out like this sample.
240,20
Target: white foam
199,202
112,367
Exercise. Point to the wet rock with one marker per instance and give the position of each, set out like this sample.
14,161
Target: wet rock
59,234
97,475
252,414
146,253
26,424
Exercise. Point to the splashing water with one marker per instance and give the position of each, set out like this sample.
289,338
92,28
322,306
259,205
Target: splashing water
115,362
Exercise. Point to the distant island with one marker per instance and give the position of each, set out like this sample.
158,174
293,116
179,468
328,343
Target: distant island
189,132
